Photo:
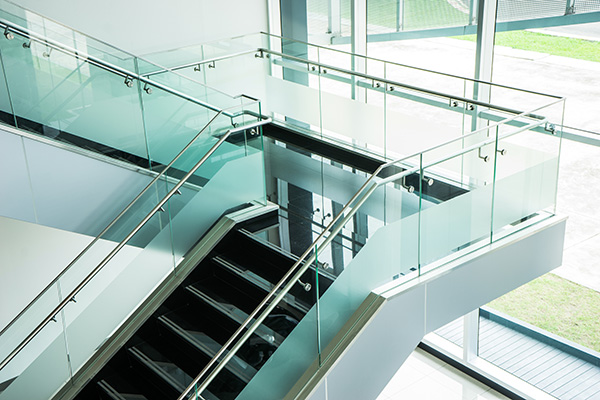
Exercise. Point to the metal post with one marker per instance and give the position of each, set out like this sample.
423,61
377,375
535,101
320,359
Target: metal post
359,41
399,15
570,7
472,11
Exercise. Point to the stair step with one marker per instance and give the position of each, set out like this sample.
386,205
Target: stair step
237,315
107,390
210,347
169,375
262,284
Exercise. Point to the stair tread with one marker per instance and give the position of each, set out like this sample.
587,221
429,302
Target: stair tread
168,371
234,313
210,347
258,281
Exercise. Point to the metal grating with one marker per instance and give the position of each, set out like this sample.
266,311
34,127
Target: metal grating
516,10
583,6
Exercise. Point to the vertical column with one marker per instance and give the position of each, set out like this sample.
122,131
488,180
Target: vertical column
294,25
334,26
472,11
486,31
470,335
570,7
359,41
484,57
399,15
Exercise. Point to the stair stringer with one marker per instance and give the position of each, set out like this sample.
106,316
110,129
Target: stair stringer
392,321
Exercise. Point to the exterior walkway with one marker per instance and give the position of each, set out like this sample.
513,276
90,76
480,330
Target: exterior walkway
544,365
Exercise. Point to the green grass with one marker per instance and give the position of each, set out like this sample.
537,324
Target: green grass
558,306
554,45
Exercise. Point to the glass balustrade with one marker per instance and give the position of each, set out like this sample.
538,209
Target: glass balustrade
464,163
132,264
68,87
438,205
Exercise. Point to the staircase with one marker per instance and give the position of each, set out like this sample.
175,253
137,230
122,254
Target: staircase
190,327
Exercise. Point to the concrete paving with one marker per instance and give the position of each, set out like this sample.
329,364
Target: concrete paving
590,31
579,82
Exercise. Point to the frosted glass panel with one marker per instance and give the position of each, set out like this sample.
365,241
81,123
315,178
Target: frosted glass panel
353,119
292,100
526,177
464,216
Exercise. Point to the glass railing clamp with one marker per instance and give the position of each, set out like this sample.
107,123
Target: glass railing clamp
8,34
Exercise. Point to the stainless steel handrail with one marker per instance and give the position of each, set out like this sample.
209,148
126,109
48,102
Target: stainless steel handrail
305,264
408,66
110,225
158,207
50,43
392,83
202,62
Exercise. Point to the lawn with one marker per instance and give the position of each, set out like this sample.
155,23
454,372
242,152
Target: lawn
554,45
558,306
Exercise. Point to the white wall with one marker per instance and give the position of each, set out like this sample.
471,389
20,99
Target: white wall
62,189
142,26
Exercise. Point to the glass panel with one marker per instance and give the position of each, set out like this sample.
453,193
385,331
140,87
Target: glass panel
279,333
14,334
456,207
417,120
384,16
149,255
434,14
6,111
128,279
238,181
192,83
526,176
345,113
50,370
59,96
171,122
65,36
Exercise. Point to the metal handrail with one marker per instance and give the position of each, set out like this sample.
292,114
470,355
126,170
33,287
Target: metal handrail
50,43
409,66
305,264
389,82
110,225
158,207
